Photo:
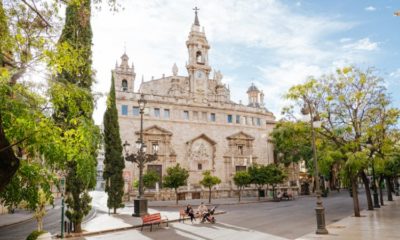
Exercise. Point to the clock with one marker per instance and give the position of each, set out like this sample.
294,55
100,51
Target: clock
199,74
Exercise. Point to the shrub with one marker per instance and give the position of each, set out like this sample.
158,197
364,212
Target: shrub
34,235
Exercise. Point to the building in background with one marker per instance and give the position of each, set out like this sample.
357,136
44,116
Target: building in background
193,119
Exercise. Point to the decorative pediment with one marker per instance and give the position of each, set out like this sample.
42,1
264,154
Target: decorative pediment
155,130
240,136
202,136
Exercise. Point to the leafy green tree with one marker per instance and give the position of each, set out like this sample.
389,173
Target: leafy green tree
114,162
209,181
293,141
275,175
259,176
150,178
175,178
27,31
241,180
73,108
32,185
346,102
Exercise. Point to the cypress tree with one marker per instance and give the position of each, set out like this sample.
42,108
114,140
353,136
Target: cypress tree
114,161
73,108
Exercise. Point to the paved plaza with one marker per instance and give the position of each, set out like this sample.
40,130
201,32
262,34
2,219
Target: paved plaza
249,220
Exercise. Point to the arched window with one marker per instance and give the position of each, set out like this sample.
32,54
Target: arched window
199,58
124,85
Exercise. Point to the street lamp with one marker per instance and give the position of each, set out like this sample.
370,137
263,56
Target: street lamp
319,209
141,158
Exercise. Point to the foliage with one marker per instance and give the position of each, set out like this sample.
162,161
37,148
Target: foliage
31,184
275,174
34,235
354,108
78,199
241,179
40,210
150,179
293,141
114,163
176,177
259,175
28,40
209,181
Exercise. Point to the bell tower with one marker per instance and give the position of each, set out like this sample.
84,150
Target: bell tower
198,66
124,76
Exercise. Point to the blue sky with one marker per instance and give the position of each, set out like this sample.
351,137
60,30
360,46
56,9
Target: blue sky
274,44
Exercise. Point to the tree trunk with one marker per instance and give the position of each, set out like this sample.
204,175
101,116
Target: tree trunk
9,163
380,190
176,194
389,189
77,227
367,189
356,204
240,190
115,210
40,224
258,195
273,191
209,195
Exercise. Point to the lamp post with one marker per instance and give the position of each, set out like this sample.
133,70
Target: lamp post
140,158
319,208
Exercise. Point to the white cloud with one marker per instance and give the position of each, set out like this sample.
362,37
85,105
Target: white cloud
362,44
395,74
344,40
370,8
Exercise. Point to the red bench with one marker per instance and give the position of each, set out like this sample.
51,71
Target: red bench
151,219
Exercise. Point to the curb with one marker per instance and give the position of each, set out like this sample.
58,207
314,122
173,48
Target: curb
121,229
213,204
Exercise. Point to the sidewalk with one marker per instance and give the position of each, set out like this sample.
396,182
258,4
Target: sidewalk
382,223
12,218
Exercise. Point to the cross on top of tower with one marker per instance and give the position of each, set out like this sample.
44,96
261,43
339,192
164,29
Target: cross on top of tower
196,19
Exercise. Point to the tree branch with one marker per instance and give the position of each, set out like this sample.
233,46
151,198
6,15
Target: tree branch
37,12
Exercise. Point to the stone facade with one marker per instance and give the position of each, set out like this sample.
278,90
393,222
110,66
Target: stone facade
193,119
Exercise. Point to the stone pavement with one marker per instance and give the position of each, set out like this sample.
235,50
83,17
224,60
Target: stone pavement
382,223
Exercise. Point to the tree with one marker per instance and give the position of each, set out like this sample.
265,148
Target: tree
259,176
276,175
293,141
78,199
176,177
28,30
209,181
32,185
346,102
73,108
241,179
150,179
114,163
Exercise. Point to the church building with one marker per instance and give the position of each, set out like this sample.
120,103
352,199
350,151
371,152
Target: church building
193,120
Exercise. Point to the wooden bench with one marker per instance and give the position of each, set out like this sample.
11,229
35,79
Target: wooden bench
151,219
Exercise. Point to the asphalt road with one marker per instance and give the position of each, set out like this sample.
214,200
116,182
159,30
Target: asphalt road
51,223
264,220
